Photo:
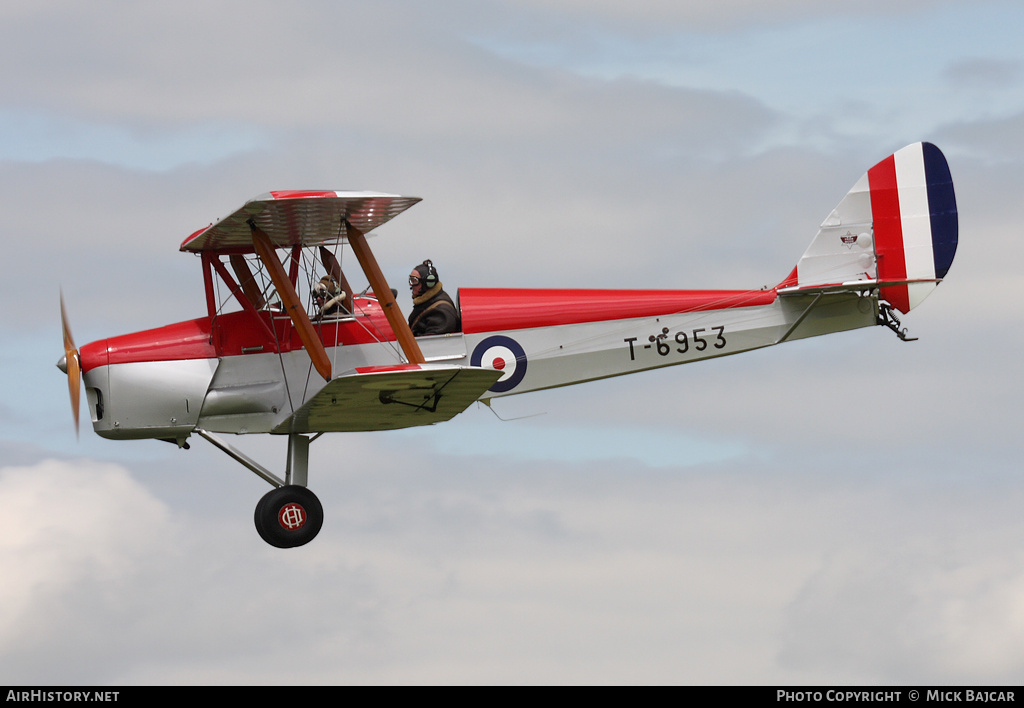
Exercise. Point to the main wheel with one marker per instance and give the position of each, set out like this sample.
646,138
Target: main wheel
289,516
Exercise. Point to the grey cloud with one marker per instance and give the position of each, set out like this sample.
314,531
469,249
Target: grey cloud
587,573
984,73
706,16
917,595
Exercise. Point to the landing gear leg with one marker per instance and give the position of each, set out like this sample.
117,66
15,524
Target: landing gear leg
291,515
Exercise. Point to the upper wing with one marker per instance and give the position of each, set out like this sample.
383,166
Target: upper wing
390,397
299,218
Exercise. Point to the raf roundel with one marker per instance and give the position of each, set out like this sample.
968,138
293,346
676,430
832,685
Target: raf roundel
505,355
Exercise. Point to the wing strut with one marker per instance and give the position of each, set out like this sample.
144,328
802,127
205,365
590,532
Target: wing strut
248,283
799,319
382,291
292,304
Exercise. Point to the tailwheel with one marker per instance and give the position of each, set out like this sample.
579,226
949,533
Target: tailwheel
289,516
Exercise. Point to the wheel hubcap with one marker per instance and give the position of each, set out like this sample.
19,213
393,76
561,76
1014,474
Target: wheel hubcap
292,517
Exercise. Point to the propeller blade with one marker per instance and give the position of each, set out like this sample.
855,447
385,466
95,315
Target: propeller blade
72,363
75,386
69,341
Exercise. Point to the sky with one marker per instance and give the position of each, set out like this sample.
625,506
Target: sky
841,510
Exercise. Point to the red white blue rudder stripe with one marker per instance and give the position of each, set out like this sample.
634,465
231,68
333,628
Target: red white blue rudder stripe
914,212
895,230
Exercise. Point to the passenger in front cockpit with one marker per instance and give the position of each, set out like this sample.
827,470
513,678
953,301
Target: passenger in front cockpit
329,297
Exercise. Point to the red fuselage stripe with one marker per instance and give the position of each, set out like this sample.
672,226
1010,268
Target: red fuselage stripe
496,310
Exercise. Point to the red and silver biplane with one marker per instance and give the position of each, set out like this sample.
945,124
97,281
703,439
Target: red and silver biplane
262,360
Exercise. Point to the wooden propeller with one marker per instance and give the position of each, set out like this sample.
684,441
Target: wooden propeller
71,363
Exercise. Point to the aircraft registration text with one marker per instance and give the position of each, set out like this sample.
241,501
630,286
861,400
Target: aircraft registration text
680,342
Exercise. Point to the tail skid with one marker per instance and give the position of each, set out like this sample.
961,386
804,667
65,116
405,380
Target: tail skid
888,318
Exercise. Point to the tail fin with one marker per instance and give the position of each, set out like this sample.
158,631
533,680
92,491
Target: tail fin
896,230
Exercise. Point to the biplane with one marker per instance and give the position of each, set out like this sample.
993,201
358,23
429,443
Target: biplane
263,359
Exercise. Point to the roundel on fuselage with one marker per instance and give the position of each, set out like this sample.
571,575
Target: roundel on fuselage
503,354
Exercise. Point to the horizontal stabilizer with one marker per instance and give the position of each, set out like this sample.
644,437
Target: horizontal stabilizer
390,397
852,286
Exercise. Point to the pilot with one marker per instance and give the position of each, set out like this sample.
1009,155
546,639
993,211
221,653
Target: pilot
433,311
329,297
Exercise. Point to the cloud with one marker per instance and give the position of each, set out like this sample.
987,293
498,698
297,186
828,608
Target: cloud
985,73
440,565
706,15
76,533
916,595
199,71
32,136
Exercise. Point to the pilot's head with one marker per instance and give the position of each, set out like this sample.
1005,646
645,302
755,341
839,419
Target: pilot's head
422,278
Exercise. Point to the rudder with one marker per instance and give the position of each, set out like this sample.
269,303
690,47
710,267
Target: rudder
896,230
915,222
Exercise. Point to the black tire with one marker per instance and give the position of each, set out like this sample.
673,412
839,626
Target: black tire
288,516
